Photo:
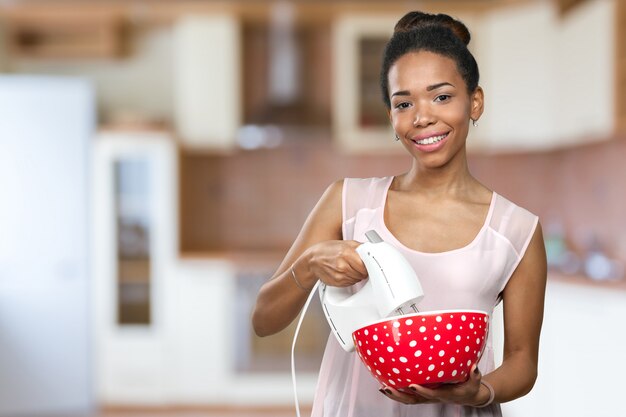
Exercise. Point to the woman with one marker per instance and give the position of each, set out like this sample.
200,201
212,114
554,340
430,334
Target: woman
470,247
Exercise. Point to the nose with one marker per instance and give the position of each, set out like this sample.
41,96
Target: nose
423,118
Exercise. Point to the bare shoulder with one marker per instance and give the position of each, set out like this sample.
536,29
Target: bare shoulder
327,213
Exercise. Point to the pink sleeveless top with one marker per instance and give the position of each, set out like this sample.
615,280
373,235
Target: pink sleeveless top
471,277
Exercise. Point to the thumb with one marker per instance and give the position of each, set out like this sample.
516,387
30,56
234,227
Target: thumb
475,374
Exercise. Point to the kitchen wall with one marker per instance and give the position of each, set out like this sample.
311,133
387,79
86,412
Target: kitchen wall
259,199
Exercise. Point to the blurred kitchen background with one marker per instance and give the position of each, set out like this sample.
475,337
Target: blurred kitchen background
157,158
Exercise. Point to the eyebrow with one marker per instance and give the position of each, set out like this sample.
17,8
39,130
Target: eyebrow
429,88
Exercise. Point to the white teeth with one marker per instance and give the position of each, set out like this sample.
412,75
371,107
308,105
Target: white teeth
430,140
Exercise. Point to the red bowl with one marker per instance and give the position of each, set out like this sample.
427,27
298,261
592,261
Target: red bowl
429,349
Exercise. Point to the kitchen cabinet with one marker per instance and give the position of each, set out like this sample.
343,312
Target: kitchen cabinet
359,118
580,361
207,80
548,78
134,247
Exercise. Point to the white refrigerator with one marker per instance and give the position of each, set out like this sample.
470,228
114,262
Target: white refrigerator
46,124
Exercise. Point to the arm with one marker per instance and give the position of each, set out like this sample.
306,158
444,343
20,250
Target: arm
317,253
523,315
523,299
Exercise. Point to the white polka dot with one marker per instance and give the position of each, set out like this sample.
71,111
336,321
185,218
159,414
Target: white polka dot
418,353
467,348
438,318
431,346
396,324
478,340
471,325
375,337
378,372
463,317
396,370
381,359
369,352
431,367
454,373
441,353
437,337
448,326
360,344
403,359
469,363
389,349
440,374
391,382
412,343
408,322
458,338
423,329
409,332
452,359
366,332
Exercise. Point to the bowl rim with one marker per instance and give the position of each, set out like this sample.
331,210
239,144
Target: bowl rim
421,314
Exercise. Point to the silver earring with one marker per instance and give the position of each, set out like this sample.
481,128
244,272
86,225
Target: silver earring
474,122
397,138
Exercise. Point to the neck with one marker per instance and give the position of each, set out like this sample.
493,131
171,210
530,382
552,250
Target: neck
453,178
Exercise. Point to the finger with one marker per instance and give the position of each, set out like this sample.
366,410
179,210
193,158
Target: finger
399,396
475,374
355,261
427,393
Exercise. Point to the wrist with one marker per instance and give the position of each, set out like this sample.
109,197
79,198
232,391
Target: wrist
485,395
300,273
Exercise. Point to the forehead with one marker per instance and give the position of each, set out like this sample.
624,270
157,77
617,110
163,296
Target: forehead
421,69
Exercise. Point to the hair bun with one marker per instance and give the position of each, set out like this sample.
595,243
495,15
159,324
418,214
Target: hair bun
418,20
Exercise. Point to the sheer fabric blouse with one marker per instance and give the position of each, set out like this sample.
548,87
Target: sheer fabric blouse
471,277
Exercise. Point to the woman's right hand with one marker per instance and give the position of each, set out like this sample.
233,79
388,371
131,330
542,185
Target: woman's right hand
336,263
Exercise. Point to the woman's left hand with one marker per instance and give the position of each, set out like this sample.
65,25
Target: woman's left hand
465,393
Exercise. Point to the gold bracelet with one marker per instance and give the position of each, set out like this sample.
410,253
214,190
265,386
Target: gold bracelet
492,394
293,274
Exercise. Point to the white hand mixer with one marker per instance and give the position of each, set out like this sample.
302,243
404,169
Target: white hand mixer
392,289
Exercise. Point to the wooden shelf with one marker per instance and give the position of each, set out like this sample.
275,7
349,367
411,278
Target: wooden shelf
80,33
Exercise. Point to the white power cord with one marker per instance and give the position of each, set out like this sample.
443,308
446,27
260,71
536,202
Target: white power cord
293,345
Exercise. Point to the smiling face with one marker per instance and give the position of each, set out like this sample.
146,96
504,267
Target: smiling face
431,107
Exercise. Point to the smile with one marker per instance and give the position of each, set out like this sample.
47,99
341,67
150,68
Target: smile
431,140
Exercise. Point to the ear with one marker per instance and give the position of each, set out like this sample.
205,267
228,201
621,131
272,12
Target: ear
477,103
389,116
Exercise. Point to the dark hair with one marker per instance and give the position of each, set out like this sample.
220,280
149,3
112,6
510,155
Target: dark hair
437,33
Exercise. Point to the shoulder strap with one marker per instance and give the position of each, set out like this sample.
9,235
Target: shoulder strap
358,194
513,222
